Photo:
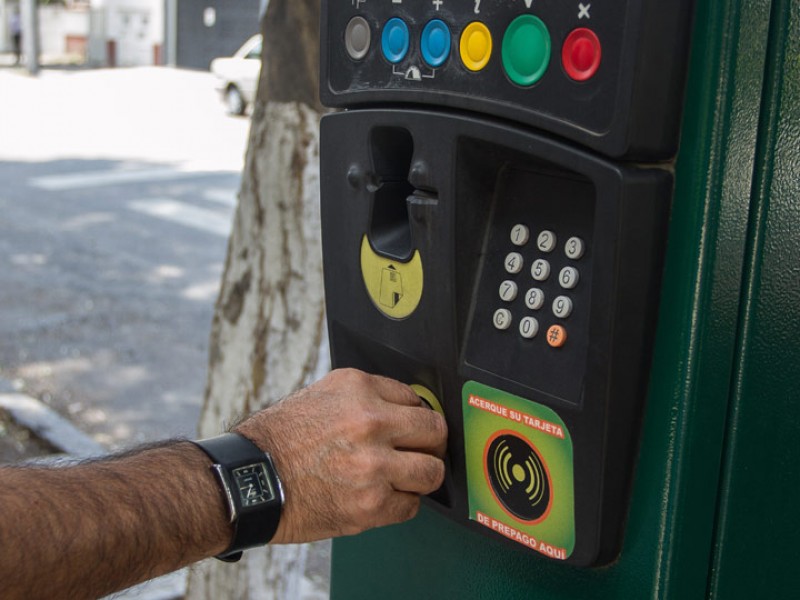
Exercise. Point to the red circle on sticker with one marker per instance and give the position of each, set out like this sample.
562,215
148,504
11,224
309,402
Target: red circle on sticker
581,54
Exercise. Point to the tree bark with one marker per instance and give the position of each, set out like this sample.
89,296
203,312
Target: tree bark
268,335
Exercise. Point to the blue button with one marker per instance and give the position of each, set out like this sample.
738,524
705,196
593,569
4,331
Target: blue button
394,40
435,42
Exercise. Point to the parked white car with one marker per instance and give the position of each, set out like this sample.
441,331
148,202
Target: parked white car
237,76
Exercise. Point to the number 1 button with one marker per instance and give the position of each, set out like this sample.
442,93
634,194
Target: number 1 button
520,234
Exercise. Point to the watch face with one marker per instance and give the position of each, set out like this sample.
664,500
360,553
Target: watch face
253,484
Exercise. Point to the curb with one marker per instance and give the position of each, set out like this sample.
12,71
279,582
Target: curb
47,424
50,426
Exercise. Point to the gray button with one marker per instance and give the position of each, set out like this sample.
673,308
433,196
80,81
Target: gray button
357,38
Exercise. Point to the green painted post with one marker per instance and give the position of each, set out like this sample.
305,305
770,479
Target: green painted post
758,525
694,482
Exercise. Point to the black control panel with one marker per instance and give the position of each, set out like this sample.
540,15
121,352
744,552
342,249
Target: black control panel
514,281
608,75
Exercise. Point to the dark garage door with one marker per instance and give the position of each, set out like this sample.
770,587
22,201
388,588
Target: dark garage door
202,38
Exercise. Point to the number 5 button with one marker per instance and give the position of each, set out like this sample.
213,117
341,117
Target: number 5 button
540,269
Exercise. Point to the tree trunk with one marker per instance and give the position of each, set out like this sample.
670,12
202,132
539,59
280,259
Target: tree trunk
268,336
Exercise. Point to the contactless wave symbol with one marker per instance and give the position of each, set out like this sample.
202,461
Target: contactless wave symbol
518,477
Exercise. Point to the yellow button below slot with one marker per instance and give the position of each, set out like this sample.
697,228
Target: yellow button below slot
475,46
428,397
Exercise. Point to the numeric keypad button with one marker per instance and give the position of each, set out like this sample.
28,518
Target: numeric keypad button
528,327
502,318
562,307
574,248
546,241
508,290
568,277
556,336
534,298
540,269
520,234
514,262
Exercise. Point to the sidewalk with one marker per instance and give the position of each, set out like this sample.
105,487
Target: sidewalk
71,444
8,60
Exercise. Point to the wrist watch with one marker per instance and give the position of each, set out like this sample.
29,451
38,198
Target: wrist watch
252,490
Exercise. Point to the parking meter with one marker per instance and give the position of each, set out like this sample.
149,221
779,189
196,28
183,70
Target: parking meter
493,235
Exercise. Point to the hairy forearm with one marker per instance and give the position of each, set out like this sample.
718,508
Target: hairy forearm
85,531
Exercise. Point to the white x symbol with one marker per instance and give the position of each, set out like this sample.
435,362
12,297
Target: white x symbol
583,11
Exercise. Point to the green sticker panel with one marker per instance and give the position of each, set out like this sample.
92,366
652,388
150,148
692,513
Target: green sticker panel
519,470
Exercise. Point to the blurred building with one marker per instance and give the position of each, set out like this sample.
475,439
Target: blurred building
123,33
206,29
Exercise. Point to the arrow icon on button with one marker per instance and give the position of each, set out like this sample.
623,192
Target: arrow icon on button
528,3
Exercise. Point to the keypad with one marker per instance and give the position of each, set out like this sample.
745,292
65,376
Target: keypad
547,293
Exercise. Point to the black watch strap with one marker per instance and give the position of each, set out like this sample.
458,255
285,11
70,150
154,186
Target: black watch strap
251,487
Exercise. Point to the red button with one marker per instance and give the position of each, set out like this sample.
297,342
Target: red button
581,54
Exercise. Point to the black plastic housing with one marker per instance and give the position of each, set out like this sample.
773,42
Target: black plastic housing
630,108
465,182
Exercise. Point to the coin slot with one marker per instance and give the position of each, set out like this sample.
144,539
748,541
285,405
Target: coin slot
390,229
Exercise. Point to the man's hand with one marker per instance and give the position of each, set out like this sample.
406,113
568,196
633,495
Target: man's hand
353,451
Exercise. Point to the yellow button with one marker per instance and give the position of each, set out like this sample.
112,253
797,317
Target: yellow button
475,46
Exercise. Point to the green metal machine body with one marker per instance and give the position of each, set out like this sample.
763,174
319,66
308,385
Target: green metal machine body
713,504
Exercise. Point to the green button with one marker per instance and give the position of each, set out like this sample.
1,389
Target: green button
526,50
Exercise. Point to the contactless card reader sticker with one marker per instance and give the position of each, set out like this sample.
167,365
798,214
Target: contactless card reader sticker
519,470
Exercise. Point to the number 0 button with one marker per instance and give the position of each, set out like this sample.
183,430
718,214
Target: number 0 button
502,318
528,327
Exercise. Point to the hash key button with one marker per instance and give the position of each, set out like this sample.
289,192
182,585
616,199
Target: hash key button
556,336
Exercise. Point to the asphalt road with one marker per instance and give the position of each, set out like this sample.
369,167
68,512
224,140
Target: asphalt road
117,189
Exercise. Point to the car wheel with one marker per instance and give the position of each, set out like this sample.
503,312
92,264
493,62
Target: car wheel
234,101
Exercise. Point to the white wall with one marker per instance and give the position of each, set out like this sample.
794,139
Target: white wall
136,26
56,23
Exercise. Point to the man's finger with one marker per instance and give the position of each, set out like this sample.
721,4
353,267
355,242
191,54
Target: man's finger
402,506
416,472
419,428
395,392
